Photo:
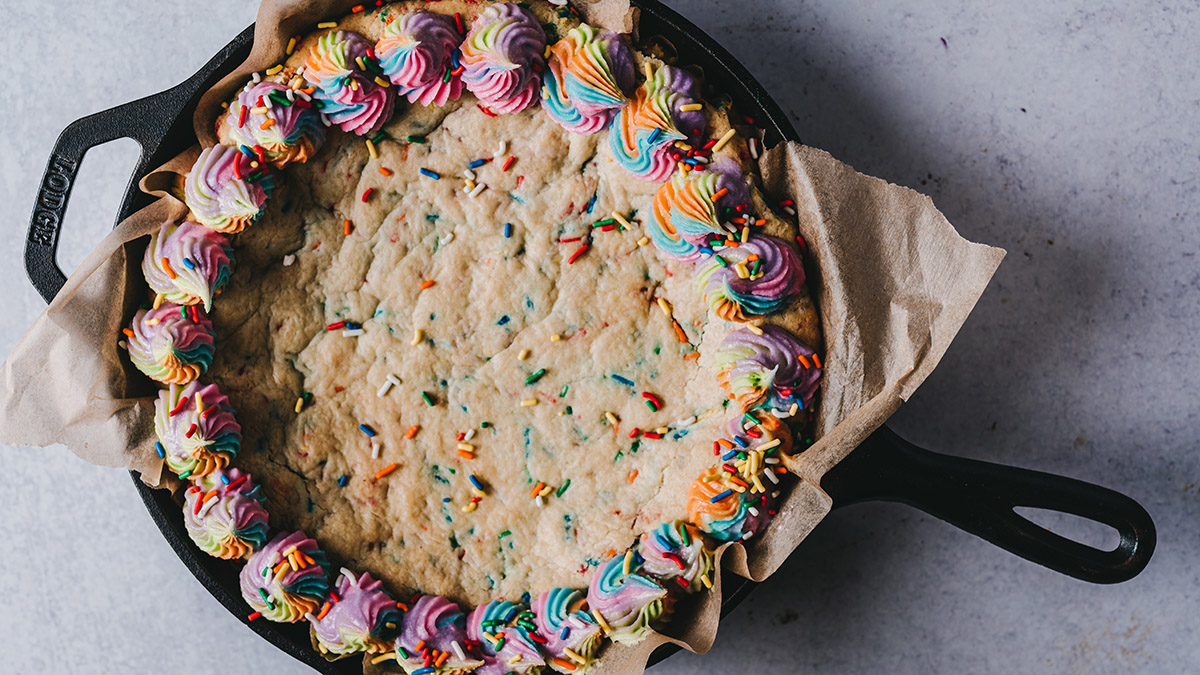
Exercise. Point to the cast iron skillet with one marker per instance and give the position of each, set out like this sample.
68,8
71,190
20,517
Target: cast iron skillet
978,497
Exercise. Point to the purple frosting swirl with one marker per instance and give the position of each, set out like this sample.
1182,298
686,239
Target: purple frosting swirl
441,625
363,618
744,289
224,515
172,344
767,370
198,263
351,94
416,53
293,126
225,189
560,619
506,645
279,581
503,58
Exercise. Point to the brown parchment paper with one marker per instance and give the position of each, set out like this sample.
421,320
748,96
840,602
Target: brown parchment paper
892,279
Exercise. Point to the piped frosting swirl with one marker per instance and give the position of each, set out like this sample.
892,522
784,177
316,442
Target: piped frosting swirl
503,630
172,344
416,52
590,77
362,618
225,191
439,626
187,263
723,508
643,135
503,58
626,601
197,432
772,370
758,277
562,620
684,217
675,551
285,129
286,579
224,514
348,83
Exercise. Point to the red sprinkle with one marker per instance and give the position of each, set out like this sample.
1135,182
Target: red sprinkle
575,256
191,431
459,22
254,616
236,483
508,163
242,117
650,434
335,326
635,432
569,240
487,112
178,408
367,194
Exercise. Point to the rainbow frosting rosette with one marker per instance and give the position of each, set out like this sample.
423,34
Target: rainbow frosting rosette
720,505
502,58
224,514
756,432
187,263
358,617
590,77
768,368
286,579
226,190
197,432
417,53
684,218
572,635
758,277
349,84
675,551
625,601
504,630
172,344
439,627
665,109
273,118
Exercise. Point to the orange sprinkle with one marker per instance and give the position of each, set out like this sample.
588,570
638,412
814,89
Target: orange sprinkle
127,332
420,646
536,489
402,607
561,663
347,227
282,564
633,476
817,361
760,222
738,481
427,283
720,193
324,610
804,360
167,266
385,171
441,659
412,431
724,443
267,125
679,332
692,357
356,9
390,468
466,454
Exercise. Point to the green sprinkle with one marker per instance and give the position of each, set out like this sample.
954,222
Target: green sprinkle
504,534
416,139
650,405
563,489
619,455
484,425
564,390
754,270
185,474
378,137
427,398
402,652
602,223
307,397
266,570
536,376
683,534
720,261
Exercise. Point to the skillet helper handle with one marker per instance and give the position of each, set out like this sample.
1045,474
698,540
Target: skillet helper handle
980,497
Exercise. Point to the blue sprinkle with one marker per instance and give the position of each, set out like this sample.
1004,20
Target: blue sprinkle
654,135
343,480
424,671
705,250
741,441
622,380
475,482
525,597
662,542
367,430
714,500
511,613
350,325
475,164
187,262
503,320
729,455
591,203
507,230
162,453
246,150
454,56
565,632
432,174
445,500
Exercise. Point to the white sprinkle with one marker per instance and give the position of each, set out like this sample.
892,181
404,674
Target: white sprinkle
393,379
782,414
789,210
469,435
538,500
446,239
256,78
559,3
753,148
383,389
303,95
501,148
374,449
775,494
469,174
771,460
290,96
355,332
772,477
204,509
478,188
300,70
122,344
325,120
753,511
288,260
748,535
685,422
350,576
458,651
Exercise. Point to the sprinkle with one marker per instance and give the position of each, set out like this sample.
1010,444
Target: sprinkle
535,376
563,489
343,480
427,398
507,230
475,482
166,264
816,360
664,306
600,620
563,663
679,332
427,283
389,656
347,227
691,107
529,402
388,469
523,355
503,534
274,69
717,498
538,500
416,339
652,434
555,338
327,24
508,163
385,171
622,380
424,671
754,329
366,429
368,192
382,82
643,241
537,489
685,422
612,418
299,404
412,431
633,476
426,172
374,449
354,332
571,260
728,136
383,389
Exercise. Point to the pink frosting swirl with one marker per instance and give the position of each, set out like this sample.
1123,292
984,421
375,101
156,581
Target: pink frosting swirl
262,116
172,344
561,618
758,277
359,617
502,628
197,432
225,189
772,369
416,53
286,579
224,515
349,85
440,625
504,57
187,263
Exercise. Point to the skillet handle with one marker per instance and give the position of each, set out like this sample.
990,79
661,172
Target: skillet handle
155,122
979,497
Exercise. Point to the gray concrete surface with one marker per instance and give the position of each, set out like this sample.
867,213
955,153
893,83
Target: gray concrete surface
1064,132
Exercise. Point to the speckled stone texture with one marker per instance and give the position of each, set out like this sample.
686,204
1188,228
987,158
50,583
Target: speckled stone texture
1064,132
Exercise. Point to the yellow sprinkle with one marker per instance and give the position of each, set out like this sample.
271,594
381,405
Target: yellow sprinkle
621,219
725,138
275,69
382,82
546,54
754,329
466,446
649,73
470,185
152,322
770,445
361,64
683,146
600,620
523,355
477,492
683,168
741,270
529,402
158,300
199,402
327,24
470,506
416,337
643,241
299,404
738,488
516,658
390,656
661,430
574,656
555,338
545,491
690,107
612,419
260,110
664,306
704,580
371,149
758,486
627,562
291,46
745,234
